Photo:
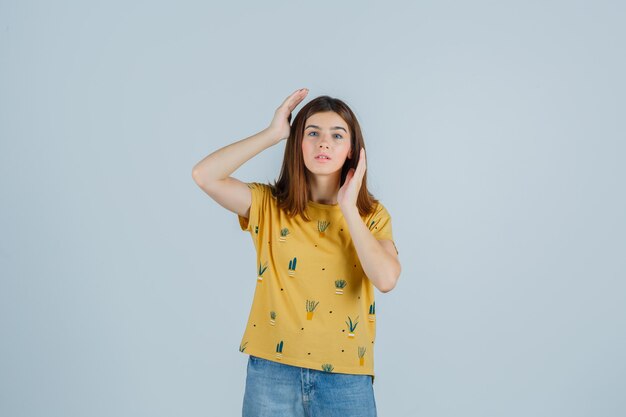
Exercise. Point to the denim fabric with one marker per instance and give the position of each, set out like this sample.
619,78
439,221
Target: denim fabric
275,389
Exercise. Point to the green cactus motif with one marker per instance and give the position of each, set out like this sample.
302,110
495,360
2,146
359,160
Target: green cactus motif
340,284
292,267
272,318
283,234
352,326
371,225
327,367
372,313
311,305
362,350
262,269
362,355
279,350
242,347
256,230
322,225
310,308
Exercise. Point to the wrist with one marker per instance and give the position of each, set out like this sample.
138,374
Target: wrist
349,210
272,135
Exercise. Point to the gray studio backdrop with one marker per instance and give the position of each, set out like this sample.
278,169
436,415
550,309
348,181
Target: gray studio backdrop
495,138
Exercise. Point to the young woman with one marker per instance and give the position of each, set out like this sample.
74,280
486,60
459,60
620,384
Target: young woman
323,242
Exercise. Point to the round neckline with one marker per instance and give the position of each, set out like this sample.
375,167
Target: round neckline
324,206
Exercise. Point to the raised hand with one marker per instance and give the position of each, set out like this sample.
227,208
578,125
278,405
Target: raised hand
282,115
349,191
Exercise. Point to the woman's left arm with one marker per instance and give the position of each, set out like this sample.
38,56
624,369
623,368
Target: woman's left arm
378,258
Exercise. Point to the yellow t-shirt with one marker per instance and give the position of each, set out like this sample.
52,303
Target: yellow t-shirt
313,305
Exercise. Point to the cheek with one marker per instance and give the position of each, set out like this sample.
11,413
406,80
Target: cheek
305,151
345,150
306,148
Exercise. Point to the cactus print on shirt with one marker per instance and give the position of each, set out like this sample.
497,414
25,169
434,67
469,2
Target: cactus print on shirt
313,305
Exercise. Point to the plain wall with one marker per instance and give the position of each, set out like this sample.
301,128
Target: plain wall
495,138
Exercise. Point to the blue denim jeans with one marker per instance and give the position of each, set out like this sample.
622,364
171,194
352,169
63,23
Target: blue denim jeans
275,389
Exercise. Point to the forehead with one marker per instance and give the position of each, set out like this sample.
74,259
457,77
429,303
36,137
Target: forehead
326,120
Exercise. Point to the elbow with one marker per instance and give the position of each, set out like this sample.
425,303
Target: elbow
393,280
197,175
388,287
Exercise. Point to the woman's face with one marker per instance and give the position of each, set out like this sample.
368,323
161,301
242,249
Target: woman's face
326,133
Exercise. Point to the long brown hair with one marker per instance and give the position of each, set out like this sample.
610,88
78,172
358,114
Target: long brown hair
292,188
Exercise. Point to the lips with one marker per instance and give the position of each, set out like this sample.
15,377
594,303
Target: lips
322,154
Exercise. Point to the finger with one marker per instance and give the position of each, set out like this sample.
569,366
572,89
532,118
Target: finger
359,175
360,166
349,175
296,97
364,159
300,96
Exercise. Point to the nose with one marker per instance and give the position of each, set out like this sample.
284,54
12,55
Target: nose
323,142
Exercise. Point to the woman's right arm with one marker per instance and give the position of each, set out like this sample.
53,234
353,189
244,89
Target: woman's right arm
212,173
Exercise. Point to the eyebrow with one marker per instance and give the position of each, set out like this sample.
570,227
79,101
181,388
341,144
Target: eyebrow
332,128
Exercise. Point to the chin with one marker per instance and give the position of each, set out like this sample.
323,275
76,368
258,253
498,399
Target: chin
324,170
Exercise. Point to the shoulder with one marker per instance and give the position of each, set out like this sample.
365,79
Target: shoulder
260,187
379,210
263,193
257,185
379,207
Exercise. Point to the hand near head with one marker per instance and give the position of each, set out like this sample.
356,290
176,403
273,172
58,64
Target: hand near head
349,191
282,115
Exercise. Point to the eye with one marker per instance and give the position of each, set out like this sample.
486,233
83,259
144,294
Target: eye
336,134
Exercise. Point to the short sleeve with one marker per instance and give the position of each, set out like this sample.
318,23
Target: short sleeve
259,199
379,224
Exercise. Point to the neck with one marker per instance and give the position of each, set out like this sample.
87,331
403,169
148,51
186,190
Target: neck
324,189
